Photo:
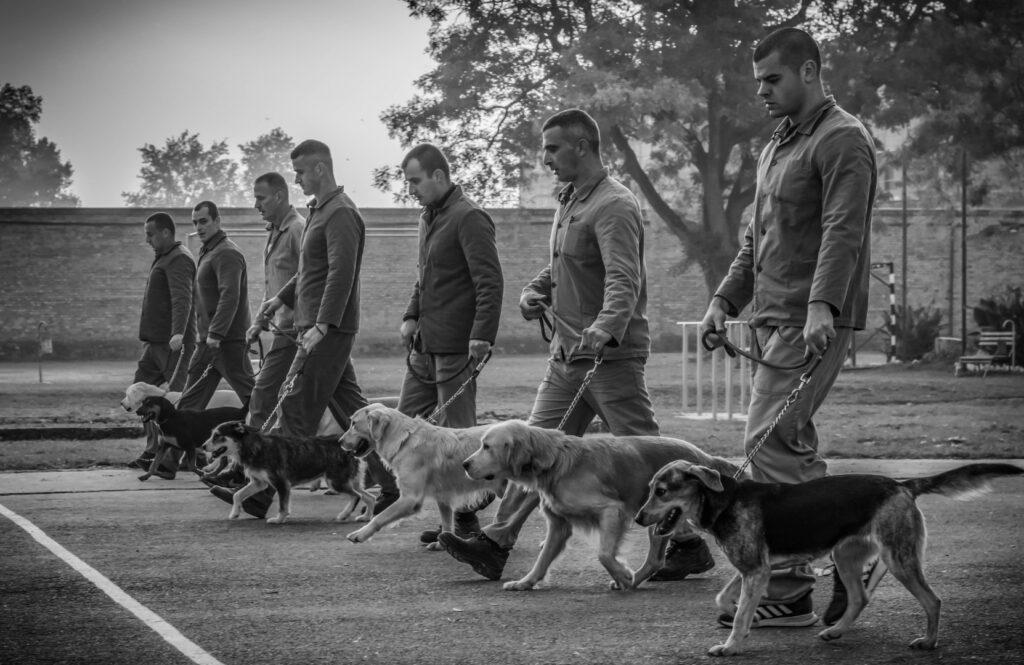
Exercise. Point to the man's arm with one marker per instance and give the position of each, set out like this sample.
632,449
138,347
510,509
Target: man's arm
617,228
476,236
534,293
343,234
229,269
181,274
737,287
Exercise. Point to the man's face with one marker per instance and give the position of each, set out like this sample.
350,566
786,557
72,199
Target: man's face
307,173
561,153
206,225
269,202
427,188
158,239
780,87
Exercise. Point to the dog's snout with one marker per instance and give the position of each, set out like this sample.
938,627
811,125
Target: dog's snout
466,465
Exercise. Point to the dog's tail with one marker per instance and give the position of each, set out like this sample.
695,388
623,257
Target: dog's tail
964,482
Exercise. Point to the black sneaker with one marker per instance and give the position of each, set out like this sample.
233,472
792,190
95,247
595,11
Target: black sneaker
798,614
689,557
466,526
873,574
485,556
256,505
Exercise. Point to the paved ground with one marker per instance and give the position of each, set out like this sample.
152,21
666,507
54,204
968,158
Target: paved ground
249,592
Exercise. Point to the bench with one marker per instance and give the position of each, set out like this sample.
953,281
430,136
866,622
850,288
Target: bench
996,347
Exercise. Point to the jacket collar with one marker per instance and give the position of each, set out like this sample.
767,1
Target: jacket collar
580,193
431,211
214,240
289,219
786,128
316,205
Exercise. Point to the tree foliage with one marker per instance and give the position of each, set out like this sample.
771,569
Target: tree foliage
31,170
670,82
183,171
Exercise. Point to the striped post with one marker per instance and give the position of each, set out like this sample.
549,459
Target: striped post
892,314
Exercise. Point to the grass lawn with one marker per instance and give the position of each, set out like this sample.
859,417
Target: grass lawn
895,411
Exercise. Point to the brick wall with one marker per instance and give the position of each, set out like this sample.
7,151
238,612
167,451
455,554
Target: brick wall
82,272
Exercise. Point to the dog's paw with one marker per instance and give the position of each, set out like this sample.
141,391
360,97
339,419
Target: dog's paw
280,519
330,492
434,547
924,643
360,536
144,477
234,514
724,650
519,585
831,633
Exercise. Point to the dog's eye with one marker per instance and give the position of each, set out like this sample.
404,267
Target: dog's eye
485,446
659,491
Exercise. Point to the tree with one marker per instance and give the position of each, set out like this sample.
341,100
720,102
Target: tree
267,152
670,79
31,170
671,85
184,172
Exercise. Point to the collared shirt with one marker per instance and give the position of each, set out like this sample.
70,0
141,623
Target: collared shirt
597,274
809,238
325,290
281,262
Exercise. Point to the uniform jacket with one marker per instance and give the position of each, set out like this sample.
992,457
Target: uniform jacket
809,238
222,292
281,263
167,303
326,288
458,294
597,275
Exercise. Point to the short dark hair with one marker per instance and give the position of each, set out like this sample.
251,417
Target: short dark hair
162,221
209,205
794,46
430,158
274,180
578,122
313,148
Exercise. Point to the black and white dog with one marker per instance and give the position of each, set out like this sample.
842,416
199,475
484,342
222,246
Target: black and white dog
182,429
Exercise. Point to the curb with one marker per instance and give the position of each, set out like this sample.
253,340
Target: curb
80,433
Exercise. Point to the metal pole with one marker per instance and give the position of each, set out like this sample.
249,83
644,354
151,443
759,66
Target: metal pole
686,358
952,269
963,251
903,260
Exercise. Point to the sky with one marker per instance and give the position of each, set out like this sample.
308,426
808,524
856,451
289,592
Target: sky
117,74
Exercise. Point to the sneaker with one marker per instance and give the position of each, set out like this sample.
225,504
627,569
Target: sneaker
485,556
689,557
232,479
798,614
466,526
873,574
256,505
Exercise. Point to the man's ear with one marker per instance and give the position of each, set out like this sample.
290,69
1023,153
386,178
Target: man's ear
708,477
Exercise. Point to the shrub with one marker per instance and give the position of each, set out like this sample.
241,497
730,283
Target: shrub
915,332
992,313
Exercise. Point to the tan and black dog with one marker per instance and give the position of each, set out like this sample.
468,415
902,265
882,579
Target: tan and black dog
854,516
182,429
273,460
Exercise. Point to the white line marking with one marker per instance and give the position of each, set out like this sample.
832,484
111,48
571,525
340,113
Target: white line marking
193,651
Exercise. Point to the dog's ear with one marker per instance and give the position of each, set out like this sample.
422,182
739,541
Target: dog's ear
708,477
525,454
378,422
239,428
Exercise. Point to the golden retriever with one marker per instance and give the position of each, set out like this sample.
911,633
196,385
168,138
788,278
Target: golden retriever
426,460
594,483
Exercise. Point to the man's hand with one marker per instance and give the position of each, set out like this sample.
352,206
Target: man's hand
530,305
407,332
714,318
212,342
478,348
312,337
820,327
175,342
594,338
253,333
268,308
